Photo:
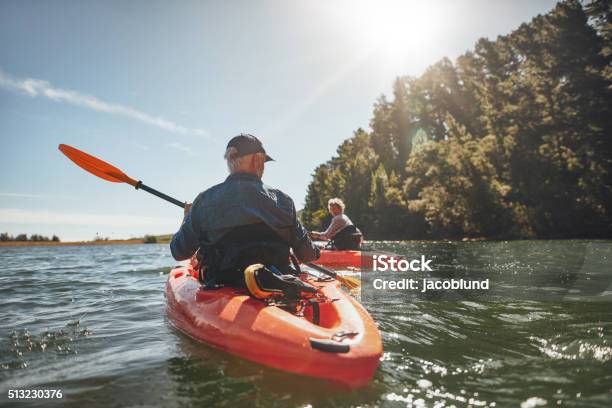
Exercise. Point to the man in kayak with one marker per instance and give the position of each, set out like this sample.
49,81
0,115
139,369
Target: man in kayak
242,221
341,233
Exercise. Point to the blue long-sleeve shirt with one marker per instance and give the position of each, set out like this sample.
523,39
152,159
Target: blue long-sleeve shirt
242,199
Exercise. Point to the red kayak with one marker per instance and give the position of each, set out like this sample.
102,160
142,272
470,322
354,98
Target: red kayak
351,259
334,339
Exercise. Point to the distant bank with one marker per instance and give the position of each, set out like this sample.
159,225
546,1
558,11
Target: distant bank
147,239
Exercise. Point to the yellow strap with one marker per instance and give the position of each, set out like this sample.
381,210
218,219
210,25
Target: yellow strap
251,281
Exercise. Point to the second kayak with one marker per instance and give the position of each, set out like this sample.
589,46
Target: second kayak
335,340
351,259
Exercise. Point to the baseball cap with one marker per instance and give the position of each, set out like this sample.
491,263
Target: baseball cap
246,143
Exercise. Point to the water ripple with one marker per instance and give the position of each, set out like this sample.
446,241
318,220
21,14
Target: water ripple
91,321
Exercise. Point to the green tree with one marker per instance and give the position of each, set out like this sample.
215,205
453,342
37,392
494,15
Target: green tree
150,239
513,140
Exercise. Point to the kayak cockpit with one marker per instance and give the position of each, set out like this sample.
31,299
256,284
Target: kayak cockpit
330,337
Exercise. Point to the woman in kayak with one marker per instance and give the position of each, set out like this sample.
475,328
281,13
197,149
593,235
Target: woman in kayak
341,233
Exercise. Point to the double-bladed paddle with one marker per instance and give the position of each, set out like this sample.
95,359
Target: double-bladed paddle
349,281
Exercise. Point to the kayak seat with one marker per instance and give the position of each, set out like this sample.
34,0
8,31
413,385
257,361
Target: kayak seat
263,283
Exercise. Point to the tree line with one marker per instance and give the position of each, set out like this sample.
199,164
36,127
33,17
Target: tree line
6,237
512,140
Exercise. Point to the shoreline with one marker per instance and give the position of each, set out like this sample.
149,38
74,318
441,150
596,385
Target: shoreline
165,239
131,241
77,243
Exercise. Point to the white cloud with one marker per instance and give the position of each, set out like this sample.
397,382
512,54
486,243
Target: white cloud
37,87
31,195
38,217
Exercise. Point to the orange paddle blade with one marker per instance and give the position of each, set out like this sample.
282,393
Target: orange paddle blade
96,166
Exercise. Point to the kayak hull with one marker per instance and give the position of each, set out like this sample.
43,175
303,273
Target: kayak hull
353,259
231,320
363,260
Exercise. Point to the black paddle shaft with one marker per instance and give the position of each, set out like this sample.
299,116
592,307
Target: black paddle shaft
148,189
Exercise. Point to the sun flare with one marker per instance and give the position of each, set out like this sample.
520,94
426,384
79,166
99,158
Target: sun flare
394,28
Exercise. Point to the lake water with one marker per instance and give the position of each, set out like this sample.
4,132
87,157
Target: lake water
90,321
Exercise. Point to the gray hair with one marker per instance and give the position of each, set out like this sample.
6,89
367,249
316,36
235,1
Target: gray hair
233,162
337,202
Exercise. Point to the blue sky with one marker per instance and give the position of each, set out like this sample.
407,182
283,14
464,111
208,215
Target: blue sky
158,88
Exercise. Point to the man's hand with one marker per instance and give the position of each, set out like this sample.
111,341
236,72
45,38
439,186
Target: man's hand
186,210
